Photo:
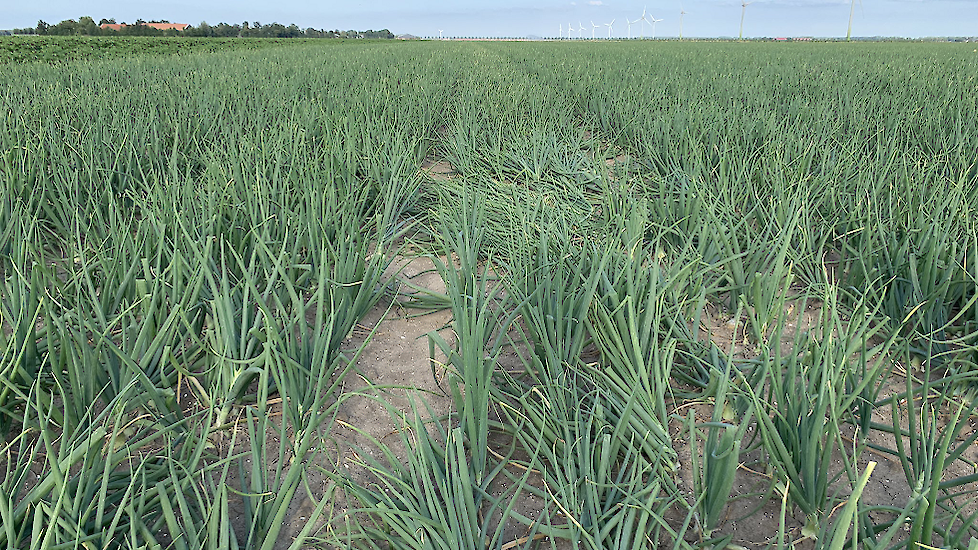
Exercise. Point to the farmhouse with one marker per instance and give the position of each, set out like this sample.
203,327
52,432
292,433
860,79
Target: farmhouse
159,26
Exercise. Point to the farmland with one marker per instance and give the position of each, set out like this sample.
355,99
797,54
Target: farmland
651,294
62,49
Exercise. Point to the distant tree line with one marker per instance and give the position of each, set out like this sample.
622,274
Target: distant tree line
277,30
86,26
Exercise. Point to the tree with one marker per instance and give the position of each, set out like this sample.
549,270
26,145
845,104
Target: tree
42,27
87,26
203,30
64,28
275,30
226,31
251,30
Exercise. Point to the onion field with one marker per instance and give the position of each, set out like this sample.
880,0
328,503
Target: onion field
674,295
64,49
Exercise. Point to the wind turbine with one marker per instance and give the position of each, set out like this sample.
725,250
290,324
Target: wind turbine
609,28
439,34
630,23
580,28
644,20
743,10
852,9
682,12
593,26
654,21
570,29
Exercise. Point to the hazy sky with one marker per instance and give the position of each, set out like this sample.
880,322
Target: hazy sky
546,18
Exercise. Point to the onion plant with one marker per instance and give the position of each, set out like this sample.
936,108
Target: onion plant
808,390
638,320
430,498
715,469
480,320
23,342
607,491
928,437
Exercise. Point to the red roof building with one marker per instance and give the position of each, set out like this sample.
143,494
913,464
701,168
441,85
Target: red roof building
159,26
168,26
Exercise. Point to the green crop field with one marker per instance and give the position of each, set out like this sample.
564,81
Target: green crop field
686,295
62,49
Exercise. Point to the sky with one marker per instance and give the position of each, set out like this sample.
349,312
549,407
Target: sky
541,18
